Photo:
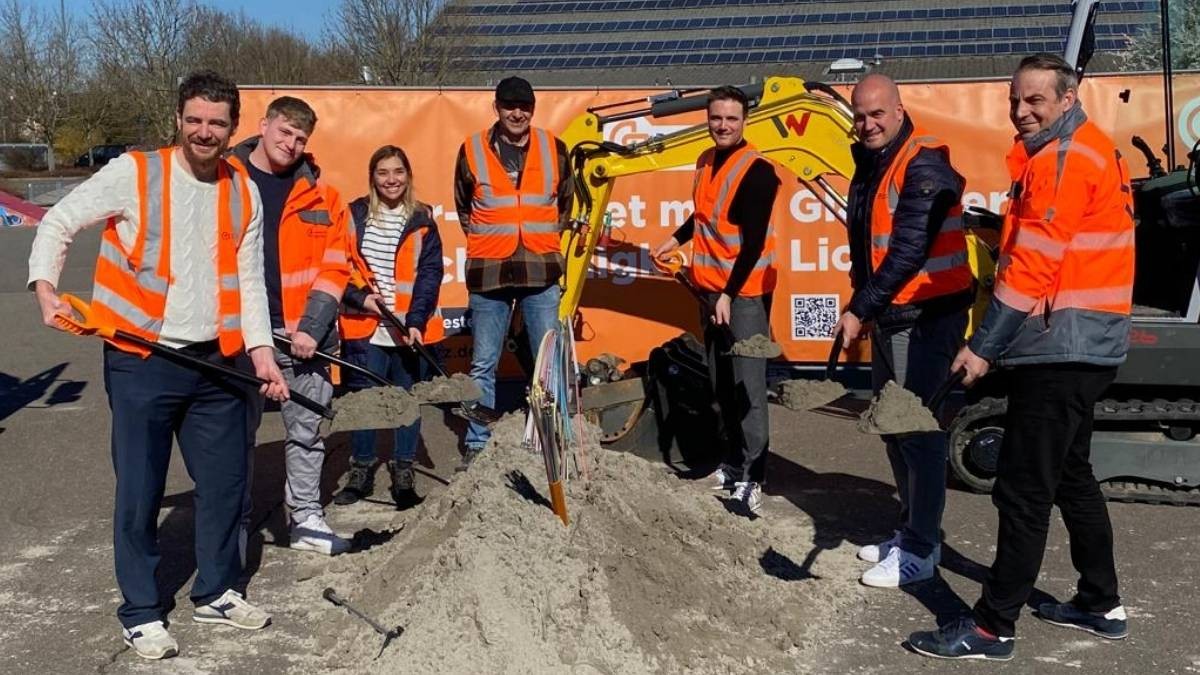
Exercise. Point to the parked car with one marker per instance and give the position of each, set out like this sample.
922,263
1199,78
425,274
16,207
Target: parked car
99,155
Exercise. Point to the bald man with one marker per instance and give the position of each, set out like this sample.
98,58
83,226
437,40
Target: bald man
912,288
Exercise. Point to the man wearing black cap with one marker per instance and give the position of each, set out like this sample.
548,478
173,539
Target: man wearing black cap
512,190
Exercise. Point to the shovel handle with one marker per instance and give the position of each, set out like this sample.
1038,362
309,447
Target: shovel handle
834,352
340,362
951,382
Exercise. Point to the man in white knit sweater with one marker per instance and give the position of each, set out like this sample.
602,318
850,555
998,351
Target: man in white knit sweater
180,264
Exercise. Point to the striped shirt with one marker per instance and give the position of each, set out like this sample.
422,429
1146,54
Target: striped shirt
381,238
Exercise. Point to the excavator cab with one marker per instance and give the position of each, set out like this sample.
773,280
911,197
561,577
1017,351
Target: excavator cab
1145,445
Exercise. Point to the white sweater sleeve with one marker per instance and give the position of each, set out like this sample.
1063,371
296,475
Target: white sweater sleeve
256,318
111,191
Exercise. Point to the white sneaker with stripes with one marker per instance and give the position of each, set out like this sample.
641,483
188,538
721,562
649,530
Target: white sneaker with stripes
900,567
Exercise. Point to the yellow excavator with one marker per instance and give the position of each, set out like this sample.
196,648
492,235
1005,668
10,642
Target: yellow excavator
802,126
1146,447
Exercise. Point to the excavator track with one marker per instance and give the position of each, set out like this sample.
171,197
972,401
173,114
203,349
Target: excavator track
1177,412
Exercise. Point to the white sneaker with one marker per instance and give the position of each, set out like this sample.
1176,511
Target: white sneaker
747,498
151,640
232,609
315,535
721,480
873,553
900,567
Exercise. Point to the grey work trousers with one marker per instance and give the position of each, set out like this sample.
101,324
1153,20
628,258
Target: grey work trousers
739,385
919,359
304,448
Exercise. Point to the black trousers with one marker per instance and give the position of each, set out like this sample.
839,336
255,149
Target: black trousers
739,385
1044,461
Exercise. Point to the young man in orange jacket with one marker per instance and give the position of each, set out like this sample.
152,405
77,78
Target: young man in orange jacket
733,264
306,244
1059,325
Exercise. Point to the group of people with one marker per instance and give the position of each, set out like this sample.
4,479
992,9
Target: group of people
245,256
1057,325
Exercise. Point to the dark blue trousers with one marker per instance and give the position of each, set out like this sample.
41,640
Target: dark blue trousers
154,401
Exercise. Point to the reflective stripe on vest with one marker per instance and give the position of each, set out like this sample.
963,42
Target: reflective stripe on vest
717,241
947,267
356,325
503,214
130,287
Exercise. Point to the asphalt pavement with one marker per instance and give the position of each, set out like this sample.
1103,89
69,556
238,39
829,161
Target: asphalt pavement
58,595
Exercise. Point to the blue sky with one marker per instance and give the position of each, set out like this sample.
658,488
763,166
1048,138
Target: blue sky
306,17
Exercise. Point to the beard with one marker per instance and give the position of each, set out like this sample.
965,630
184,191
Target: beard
211,153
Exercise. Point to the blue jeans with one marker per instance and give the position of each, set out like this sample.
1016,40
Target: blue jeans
919,358
490,315
402,367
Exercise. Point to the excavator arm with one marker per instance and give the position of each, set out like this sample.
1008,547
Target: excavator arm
805,127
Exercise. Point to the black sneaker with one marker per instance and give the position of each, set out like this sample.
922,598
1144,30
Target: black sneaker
1112,625
360,483
403,489
961,639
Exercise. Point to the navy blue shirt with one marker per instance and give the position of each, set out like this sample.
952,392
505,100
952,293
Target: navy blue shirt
273,189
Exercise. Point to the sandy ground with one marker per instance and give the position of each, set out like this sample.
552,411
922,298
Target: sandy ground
653,575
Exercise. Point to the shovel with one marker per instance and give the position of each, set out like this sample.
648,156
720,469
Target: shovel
815,394
388,635
867,423
84,325
472,411
674,265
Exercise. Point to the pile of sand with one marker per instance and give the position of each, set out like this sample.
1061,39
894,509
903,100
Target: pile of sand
758,346
806,394
654,574
374,408
454,389
896,411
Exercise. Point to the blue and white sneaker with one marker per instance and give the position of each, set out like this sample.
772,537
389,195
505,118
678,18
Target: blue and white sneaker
1112,625
232,609
747,499
900,567
961,639
151,641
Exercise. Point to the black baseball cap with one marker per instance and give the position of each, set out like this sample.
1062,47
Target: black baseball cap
515,90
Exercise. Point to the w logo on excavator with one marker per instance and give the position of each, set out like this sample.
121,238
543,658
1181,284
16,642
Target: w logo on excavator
791,124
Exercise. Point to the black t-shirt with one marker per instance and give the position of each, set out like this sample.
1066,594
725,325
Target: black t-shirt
273,189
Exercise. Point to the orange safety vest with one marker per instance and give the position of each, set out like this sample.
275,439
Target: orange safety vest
717,241
356,325
313,241
130,287
503,214
1067,249
947,269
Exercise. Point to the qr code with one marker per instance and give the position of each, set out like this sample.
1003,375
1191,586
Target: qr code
813,316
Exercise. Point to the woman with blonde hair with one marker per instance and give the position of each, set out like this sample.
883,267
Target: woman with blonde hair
399,266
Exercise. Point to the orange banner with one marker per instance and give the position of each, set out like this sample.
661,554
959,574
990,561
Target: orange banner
627,310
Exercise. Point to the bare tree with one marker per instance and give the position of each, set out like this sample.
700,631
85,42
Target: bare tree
395,43
42,71
142,45
1145,48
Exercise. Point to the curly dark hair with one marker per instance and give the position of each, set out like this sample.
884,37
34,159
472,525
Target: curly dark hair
210,86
